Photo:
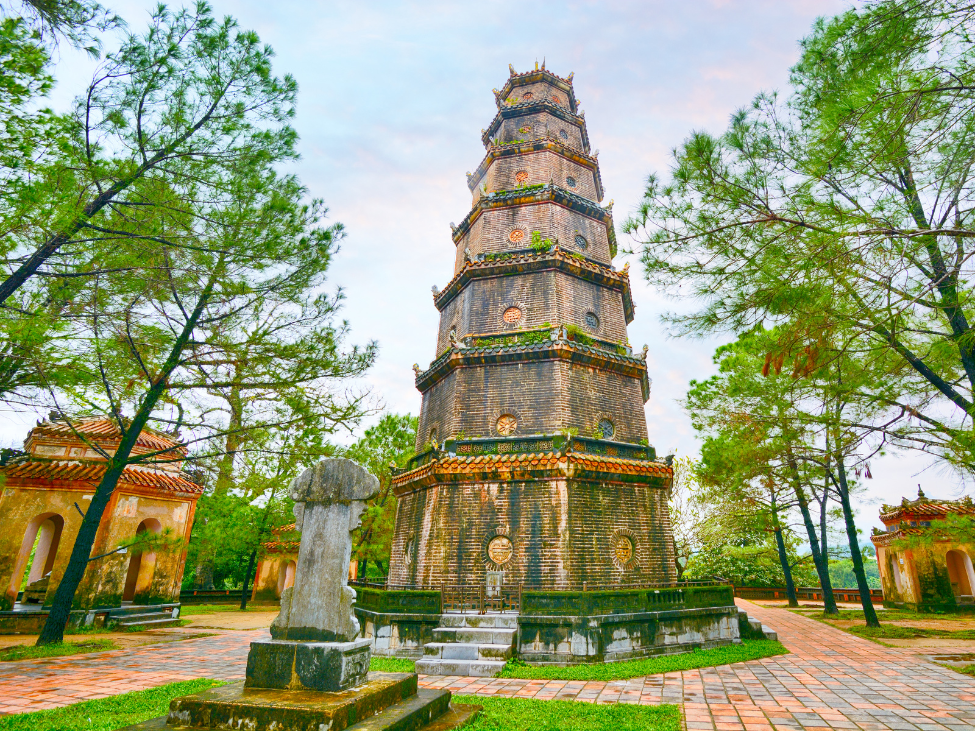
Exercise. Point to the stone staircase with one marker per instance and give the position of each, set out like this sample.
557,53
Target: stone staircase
149,619
470,644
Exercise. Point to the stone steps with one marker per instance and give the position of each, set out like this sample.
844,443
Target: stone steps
467,651
148,619
470,644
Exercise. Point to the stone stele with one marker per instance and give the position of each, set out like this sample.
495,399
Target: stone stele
314,644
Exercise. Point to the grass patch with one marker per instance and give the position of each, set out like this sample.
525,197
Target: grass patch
747,650
524,714
967,669
106,714
885,615
30,652
189,610
897,632
392,664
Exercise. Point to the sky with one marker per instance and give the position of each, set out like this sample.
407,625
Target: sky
392,98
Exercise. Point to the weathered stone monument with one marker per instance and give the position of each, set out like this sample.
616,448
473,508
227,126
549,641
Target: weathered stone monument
314,673
313,645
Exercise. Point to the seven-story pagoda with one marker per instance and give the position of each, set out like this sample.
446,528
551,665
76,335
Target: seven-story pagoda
533,468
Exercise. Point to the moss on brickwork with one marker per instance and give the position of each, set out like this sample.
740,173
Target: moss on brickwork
590,603
397,601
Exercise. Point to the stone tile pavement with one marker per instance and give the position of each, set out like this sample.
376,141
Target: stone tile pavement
832,680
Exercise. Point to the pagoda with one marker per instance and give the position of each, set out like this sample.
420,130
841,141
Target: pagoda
533,468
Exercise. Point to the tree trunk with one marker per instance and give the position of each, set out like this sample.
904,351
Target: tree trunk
247,576
820,561
790,587
822,564
57,619
869,613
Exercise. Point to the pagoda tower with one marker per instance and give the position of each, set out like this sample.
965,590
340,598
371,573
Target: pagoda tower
533,467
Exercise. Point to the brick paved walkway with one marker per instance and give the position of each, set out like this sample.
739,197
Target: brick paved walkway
832,680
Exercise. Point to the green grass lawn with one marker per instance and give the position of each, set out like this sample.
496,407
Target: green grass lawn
885,615
896,632
391,664
967,669
30,652
106,714
522,714
189,610
747,650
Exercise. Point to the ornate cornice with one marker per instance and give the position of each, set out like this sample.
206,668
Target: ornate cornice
523,109
549,143
533,195
925,508
560,349
533,77
447,469
524,263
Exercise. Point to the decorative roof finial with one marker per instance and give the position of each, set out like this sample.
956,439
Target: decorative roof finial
569,77
467,254
416,369
435,289
646,349
920,492
453,226
610,206
543,63
536,64
453,339
626,268
511,69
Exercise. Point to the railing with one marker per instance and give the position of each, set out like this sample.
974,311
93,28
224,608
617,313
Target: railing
807,593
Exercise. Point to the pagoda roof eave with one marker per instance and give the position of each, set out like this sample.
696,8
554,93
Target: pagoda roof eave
532,262
598,358
924,509
534,466
533,195
513,111
549,143
534,76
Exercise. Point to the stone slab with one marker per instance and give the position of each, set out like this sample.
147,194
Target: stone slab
321,666
261,709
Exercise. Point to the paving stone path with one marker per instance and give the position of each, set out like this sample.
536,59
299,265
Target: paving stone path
832,680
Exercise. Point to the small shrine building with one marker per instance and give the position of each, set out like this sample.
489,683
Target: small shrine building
47,488
933,574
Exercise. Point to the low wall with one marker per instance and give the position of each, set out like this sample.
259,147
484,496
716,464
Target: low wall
396,634
31,622
806,593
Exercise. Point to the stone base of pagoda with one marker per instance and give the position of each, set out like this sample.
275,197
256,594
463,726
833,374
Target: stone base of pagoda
553,521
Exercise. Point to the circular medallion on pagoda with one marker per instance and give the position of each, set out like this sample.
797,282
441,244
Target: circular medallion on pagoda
499,550
592,321
570,181
556,98
516,236
623,550
521,177
581,242
606,429
511,315
506,425
527,96
563,134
